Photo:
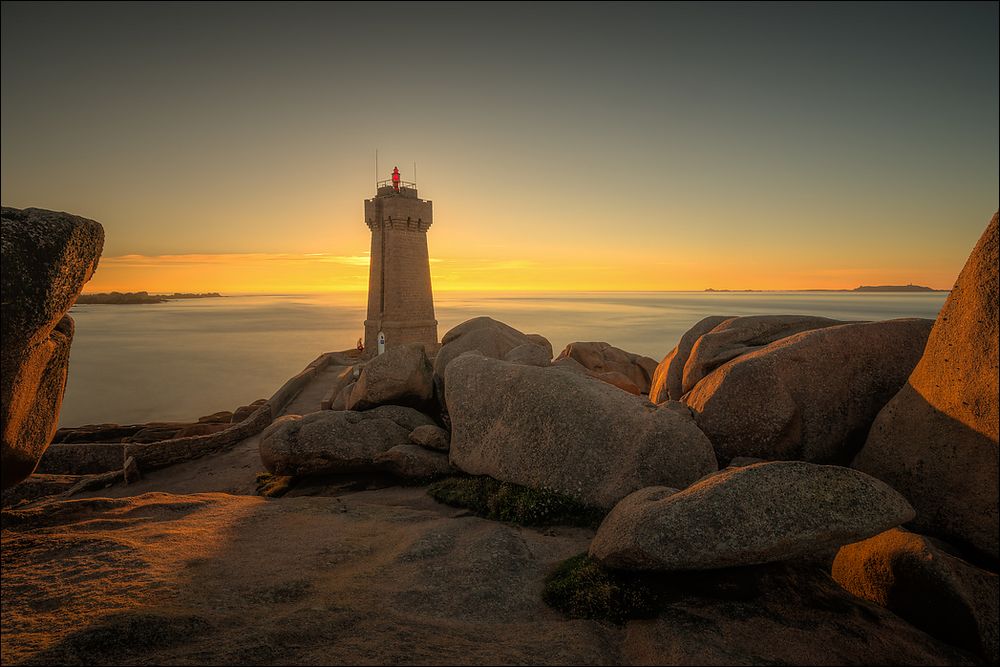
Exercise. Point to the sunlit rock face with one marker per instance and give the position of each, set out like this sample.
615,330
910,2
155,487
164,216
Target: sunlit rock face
47,257
613,365
809,397
936,441
919,581
668,377
555,429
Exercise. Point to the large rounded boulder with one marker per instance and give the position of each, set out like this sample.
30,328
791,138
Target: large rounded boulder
811,396
548,428
936,440
489,338
46,259
746,516
742,335
400,376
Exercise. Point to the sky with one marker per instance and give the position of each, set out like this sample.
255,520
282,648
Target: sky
229,147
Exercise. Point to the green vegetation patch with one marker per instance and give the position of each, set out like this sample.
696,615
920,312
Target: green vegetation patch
504,501
581,588
273,486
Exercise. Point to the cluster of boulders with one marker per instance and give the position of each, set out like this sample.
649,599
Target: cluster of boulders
784,404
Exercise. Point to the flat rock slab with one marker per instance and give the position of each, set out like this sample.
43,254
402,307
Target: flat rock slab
744,516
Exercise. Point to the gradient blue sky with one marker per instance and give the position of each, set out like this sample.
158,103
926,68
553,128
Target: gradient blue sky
618,146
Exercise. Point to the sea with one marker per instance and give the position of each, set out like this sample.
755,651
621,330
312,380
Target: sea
182,359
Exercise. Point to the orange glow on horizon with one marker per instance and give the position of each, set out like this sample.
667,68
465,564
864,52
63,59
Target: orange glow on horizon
321,272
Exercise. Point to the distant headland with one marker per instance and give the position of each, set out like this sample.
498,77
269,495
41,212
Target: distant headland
130,298
860,288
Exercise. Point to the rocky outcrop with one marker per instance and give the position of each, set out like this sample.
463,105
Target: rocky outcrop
547,428
741,335
936,440
935,591
745,516
602,358
401,376
667,383
46,258
329,441
811,396
413,462
488,337
431,437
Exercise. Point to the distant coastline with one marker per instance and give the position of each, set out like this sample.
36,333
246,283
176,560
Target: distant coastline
132,298
860,288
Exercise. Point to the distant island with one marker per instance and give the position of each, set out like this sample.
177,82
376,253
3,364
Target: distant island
860,288
895,288
130,298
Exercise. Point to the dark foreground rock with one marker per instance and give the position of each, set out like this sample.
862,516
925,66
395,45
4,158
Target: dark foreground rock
744,516
46,258
776,615
381,577
936,441
937,592
547,428
431,437
811,396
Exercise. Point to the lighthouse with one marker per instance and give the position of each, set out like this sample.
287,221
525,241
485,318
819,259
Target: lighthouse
400,302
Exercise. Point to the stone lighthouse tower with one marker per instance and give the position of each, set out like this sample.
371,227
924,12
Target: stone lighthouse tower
400,304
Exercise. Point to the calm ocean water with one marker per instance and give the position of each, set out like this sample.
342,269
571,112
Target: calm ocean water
183,359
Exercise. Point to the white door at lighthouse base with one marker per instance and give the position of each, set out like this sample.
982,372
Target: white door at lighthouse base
381,342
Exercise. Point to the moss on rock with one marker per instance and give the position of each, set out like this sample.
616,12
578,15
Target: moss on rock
581,588
504,501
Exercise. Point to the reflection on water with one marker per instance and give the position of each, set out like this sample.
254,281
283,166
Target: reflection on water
182,359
